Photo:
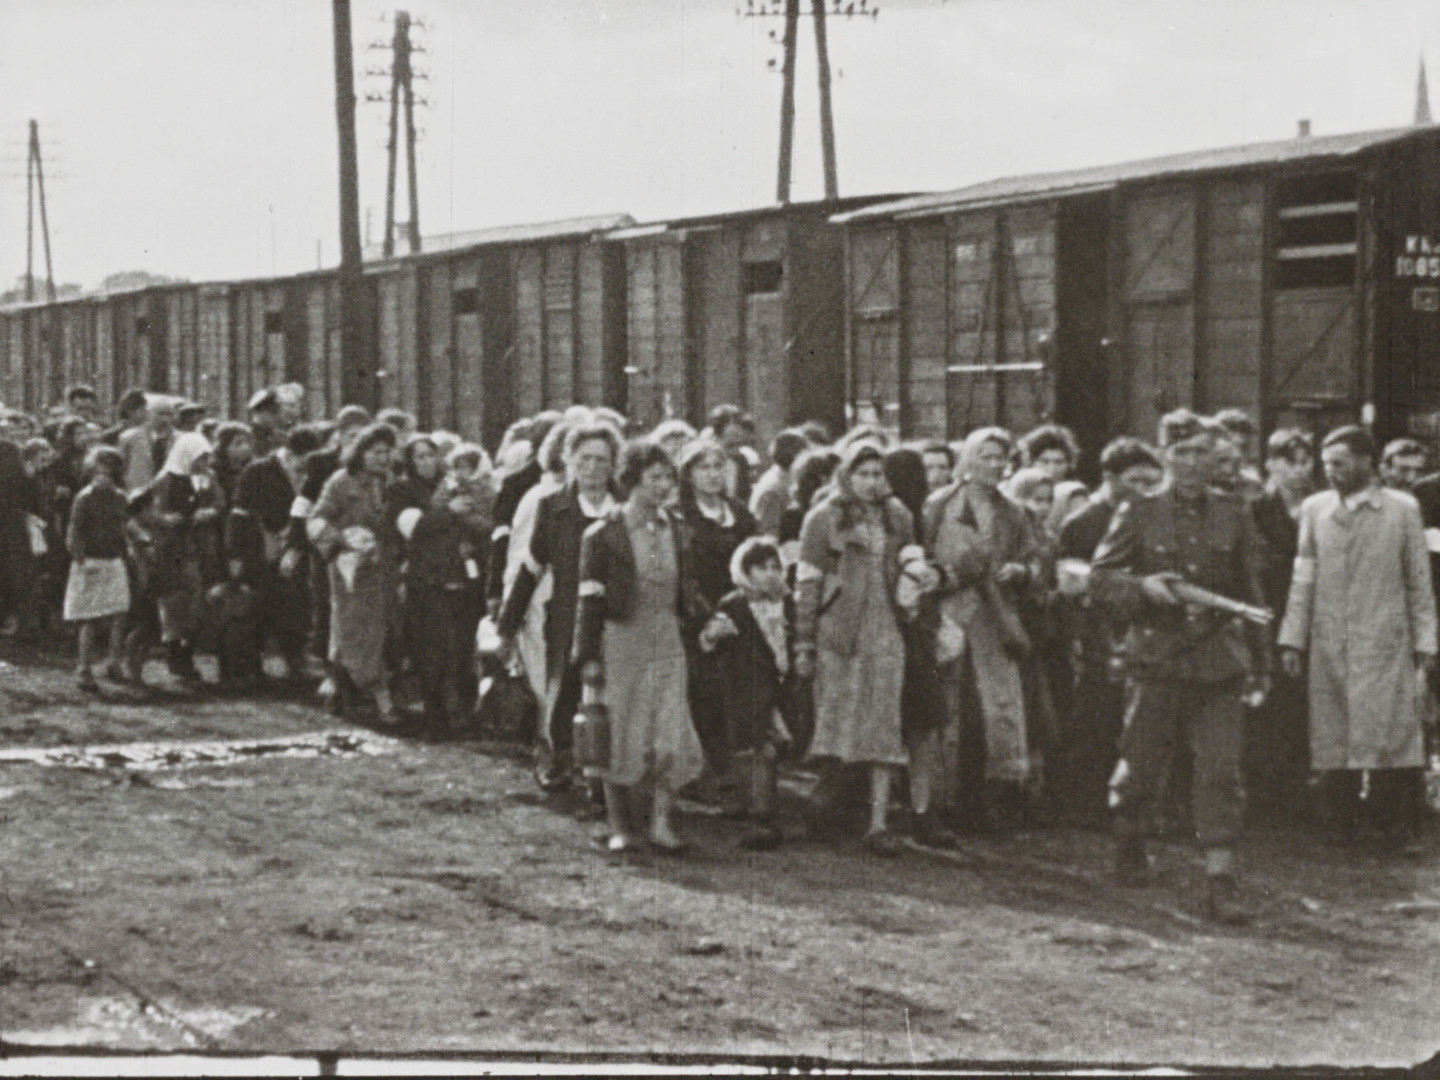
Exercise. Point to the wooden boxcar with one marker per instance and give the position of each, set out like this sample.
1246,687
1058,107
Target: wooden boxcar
1292,279
490,325
746,308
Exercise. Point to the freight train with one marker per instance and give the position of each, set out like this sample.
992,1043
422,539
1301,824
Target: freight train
1299,280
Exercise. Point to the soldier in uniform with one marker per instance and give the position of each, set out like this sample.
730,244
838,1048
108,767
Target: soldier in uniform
1187,667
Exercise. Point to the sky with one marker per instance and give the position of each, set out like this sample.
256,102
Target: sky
197,139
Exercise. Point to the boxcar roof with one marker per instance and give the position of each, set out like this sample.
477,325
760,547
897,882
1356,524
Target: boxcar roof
846,206
1104,177
509,234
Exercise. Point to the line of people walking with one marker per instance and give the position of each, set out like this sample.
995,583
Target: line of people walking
965,631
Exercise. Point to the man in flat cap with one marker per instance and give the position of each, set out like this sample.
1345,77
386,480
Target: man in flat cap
1187,667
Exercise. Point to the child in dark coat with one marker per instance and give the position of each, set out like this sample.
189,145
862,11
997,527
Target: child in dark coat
445,596
752,637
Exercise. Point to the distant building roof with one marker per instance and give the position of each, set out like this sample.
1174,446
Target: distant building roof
1103,177
503,234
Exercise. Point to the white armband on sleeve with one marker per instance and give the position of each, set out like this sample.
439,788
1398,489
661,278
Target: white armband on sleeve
1304,572
805,571
408,519
500,533
1432,541
301,507
315,528
533,566
590,587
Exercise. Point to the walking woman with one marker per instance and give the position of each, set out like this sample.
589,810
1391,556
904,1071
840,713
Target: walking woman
634,600
714,525
352,531
848,630
984,547
560,522
420,475
186,506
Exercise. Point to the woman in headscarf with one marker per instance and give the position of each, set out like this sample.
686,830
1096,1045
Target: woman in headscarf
187,510
848,635
986,552
922,699
420,473
713,526
353,532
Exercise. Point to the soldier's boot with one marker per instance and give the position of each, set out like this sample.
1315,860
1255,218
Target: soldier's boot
1131,867
1222,901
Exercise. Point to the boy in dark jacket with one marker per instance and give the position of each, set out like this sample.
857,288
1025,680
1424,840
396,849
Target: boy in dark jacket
752,637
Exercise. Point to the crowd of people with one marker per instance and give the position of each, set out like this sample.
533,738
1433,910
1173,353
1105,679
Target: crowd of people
965,631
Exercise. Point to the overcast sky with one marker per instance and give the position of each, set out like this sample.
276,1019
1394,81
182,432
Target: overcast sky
197,137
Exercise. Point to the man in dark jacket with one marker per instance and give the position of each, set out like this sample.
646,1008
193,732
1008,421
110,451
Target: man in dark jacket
1091,741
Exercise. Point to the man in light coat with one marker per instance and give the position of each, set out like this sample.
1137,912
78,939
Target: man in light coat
1362,610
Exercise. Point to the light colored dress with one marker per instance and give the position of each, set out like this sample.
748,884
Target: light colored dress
652,737
857,698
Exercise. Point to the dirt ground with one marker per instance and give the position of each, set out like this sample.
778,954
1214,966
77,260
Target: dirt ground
322,886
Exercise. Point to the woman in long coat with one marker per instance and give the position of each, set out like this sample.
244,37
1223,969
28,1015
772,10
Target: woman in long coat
353,532
714,526
636,610
848,628
987,556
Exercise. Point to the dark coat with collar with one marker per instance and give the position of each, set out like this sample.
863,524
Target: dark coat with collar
507,501
752,686
607,575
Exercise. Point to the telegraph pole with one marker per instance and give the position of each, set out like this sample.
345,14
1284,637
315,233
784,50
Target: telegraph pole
787,101
35,187
393,145
790,10
354,311
408,86
827,117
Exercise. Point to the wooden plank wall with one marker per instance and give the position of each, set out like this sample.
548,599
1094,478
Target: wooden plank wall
105,375
719,326
976,279
1231,362
590,337
1027,397
1159,237
925,259
527,270
435,287
873,282
559,325
469,350
213,349
656,328
815,362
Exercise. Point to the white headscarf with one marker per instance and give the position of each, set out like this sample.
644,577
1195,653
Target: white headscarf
188,448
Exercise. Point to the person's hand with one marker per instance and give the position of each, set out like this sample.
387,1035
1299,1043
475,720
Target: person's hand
716,630
927,577
1291,662
805,663
289,562
1157,588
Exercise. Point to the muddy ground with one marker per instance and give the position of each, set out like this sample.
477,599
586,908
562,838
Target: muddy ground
331,888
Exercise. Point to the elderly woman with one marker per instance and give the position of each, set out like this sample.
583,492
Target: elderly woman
354,534
187,502
554,551
848,627
634,601
986,551
713,525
